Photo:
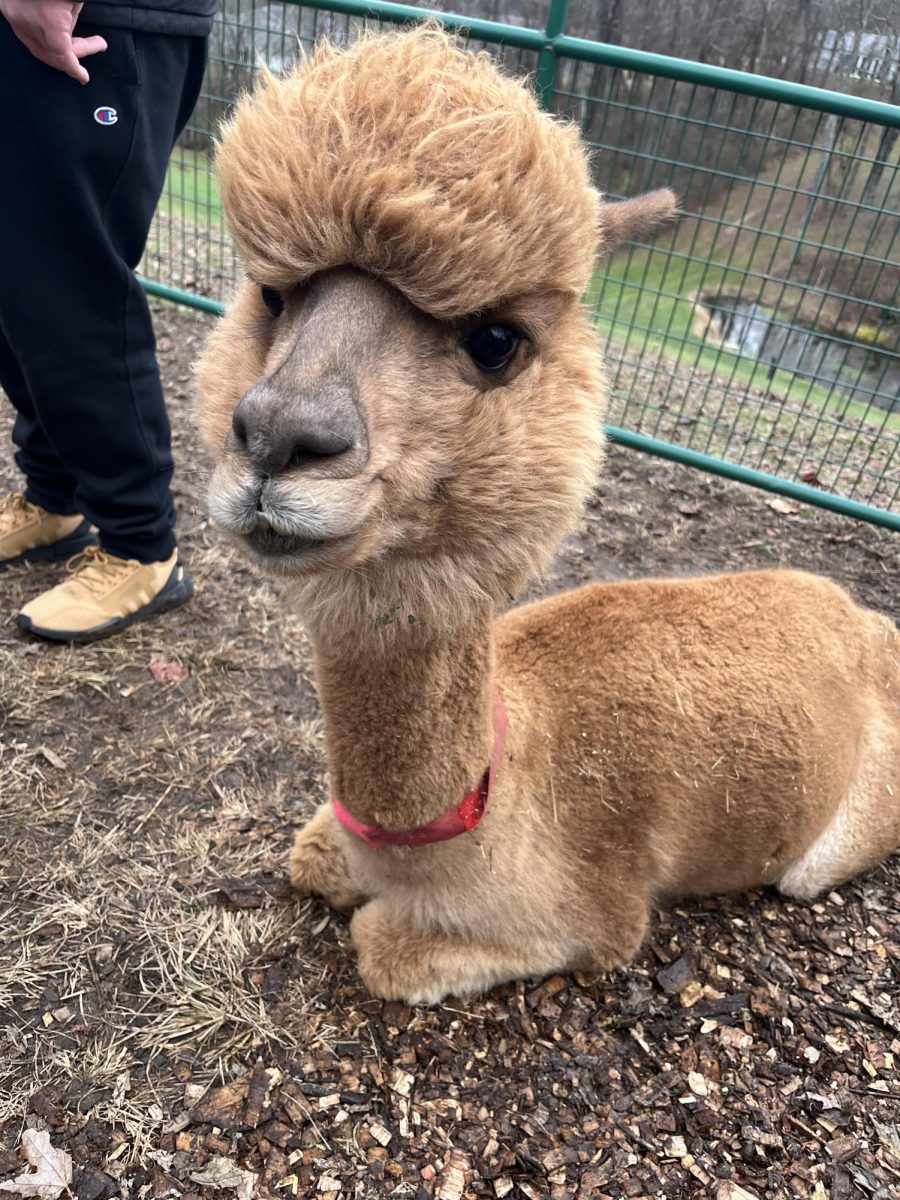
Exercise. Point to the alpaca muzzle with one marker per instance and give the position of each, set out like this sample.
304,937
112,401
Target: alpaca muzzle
288,517
319,428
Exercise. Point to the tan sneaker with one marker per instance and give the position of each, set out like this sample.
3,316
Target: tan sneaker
105,594
28,533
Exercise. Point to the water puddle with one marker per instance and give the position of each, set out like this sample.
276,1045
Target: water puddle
863,374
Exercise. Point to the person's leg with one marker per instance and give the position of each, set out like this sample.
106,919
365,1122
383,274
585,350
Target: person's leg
48,482
74,214
43,524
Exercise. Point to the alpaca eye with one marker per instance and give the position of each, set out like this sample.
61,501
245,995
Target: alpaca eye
492,346
272,301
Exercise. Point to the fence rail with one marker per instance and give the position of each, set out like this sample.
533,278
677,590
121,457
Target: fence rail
759,338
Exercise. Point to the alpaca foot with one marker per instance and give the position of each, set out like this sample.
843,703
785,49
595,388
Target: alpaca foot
417,967
318,864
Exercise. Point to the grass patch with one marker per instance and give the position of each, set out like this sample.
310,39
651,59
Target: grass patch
644,300
191,191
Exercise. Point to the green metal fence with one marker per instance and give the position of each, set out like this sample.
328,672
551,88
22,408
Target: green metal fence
759,338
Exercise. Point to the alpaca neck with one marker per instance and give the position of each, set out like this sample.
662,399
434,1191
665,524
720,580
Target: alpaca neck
409,725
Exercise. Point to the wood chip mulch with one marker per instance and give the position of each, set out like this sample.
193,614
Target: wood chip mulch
745,1056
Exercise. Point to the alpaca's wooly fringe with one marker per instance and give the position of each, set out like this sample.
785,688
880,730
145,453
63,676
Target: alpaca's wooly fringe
416,160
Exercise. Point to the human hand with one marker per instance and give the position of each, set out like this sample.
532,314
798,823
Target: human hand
45,28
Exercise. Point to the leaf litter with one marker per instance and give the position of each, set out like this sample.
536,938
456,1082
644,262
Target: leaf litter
52,1172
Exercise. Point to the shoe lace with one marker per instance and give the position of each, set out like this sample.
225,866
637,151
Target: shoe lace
13,508
96,569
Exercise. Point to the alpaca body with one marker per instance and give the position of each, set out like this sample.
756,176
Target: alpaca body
665,737
405,400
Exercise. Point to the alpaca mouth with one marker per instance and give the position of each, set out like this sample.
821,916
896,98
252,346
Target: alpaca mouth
297,553
271,544
287,530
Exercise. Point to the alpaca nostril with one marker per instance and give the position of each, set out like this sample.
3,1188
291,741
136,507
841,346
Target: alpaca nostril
315,444
279,431
239,429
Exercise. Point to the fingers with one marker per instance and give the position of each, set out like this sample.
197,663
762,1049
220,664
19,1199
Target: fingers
84,47
58,49
66,61
61,58
66,51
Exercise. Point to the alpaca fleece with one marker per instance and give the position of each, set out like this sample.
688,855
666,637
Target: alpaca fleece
417,161
664,737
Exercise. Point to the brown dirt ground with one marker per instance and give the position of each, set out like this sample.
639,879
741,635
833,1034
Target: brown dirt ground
183,1026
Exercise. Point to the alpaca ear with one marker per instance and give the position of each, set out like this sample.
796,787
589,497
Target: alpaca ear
624,220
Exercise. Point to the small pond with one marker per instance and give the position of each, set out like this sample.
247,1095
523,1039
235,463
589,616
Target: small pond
865,375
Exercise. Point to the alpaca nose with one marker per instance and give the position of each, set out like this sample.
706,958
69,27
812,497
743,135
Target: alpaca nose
279,433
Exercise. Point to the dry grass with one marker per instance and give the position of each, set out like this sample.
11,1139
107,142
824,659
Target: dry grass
124,804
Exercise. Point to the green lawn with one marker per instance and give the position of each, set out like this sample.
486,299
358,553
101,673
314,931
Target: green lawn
191,192
643,298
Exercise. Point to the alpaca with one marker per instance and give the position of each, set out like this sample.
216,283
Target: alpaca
405,401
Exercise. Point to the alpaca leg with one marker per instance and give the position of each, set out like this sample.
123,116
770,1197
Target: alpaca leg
864,830
422,967
319,864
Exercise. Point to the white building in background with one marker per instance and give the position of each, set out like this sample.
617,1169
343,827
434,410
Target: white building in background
856,55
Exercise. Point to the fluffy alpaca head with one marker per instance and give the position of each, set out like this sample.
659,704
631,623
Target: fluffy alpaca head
414,160
406,401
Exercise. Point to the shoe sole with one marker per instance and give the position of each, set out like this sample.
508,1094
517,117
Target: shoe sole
174,593
79,539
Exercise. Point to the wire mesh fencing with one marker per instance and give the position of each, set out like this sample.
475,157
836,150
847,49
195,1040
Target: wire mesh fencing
758,337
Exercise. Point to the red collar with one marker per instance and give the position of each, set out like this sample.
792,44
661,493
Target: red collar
460,819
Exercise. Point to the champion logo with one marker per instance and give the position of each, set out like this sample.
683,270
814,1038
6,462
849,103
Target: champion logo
105,115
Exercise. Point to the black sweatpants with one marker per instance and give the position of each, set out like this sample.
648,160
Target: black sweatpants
81,170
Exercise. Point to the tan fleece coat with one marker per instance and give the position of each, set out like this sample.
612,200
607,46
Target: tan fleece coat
400,198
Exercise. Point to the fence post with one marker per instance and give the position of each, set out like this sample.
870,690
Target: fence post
546,68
